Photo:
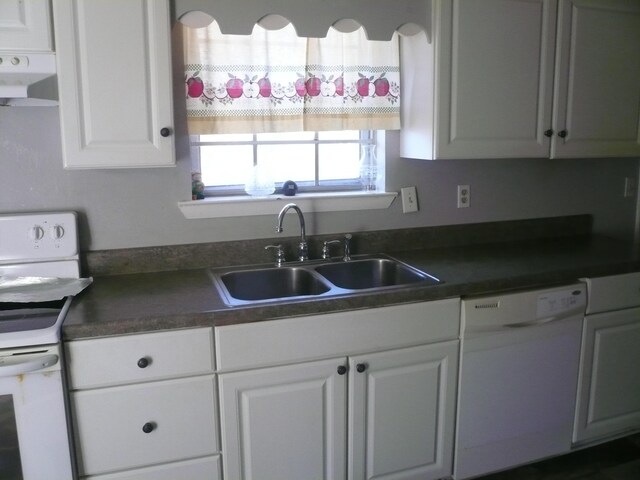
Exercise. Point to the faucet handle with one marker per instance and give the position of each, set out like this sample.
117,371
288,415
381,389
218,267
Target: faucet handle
347,247
279,254
326,254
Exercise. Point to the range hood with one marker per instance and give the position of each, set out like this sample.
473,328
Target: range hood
28,79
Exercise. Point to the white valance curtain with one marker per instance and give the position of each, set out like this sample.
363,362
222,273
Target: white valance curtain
275,81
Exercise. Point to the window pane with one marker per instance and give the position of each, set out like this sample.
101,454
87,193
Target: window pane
285,136
289,162
230,137
340,135
226,164
339,161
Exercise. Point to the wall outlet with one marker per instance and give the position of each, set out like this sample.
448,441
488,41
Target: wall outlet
409,199
464,196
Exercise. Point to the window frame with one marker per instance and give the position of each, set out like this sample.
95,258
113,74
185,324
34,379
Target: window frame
366,137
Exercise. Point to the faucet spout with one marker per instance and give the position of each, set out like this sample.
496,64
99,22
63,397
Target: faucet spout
303,249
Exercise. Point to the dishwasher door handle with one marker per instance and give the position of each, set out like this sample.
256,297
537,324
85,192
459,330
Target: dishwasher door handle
32,365
532,323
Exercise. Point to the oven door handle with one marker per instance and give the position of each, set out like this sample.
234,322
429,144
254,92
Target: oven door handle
27,366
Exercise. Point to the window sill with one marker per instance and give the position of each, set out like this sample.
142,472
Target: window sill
222,207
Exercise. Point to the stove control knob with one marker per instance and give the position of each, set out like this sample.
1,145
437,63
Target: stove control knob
57,232
36,233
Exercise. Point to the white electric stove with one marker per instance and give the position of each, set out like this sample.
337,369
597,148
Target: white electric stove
39,274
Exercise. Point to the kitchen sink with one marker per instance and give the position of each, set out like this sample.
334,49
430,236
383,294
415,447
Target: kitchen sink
246,285
270,283
372,273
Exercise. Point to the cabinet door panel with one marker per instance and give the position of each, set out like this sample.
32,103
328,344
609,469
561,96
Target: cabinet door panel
401,413
25,25
495,78
285,423
598,79
114,76
609,386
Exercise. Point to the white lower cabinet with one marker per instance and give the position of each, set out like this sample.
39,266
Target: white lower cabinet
144,406
609,384
401,413
208,468
285,422
378,410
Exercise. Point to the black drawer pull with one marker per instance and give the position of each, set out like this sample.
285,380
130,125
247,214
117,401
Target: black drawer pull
148,427
144,362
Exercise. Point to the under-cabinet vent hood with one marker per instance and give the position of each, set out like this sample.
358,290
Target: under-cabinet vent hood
28,79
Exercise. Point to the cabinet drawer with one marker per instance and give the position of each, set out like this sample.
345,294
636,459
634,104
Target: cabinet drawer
137,358
199,469
613,292
109,423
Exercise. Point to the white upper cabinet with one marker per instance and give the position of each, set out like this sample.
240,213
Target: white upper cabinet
524,78
597,93
115,83
495,73
25,26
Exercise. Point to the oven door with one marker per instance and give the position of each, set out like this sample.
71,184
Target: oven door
34,441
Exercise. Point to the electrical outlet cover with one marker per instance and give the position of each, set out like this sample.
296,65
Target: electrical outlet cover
409,199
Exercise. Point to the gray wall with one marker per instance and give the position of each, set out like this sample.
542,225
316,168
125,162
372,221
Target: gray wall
138,207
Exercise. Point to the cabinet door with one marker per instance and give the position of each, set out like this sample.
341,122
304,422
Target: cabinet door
25,25
285,423
494,65
114,80
402,409
609,385
598,79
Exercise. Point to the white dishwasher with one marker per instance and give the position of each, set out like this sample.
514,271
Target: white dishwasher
518,378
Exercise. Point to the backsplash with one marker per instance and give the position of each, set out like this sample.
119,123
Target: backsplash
246,252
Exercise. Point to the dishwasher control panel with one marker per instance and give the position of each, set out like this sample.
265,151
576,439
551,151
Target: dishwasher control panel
557,302
533,307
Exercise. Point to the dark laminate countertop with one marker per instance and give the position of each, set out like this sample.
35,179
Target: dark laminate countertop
138,302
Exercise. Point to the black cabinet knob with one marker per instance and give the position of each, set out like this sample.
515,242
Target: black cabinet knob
165,132
562,133
548,133
144,362
148,427
361,367
342,370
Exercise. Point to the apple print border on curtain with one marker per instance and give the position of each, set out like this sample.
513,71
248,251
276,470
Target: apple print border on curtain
275,81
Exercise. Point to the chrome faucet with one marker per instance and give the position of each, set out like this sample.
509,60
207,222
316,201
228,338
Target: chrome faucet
303,249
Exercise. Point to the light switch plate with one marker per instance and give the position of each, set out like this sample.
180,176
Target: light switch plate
409,199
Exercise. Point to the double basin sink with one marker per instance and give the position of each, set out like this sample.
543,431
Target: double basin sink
315,279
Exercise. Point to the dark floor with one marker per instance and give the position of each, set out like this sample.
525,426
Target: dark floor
615,460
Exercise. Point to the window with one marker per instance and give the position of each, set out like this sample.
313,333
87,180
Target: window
289,108
316,161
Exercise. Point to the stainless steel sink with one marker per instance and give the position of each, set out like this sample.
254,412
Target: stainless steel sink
270,283
315,279
372,273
